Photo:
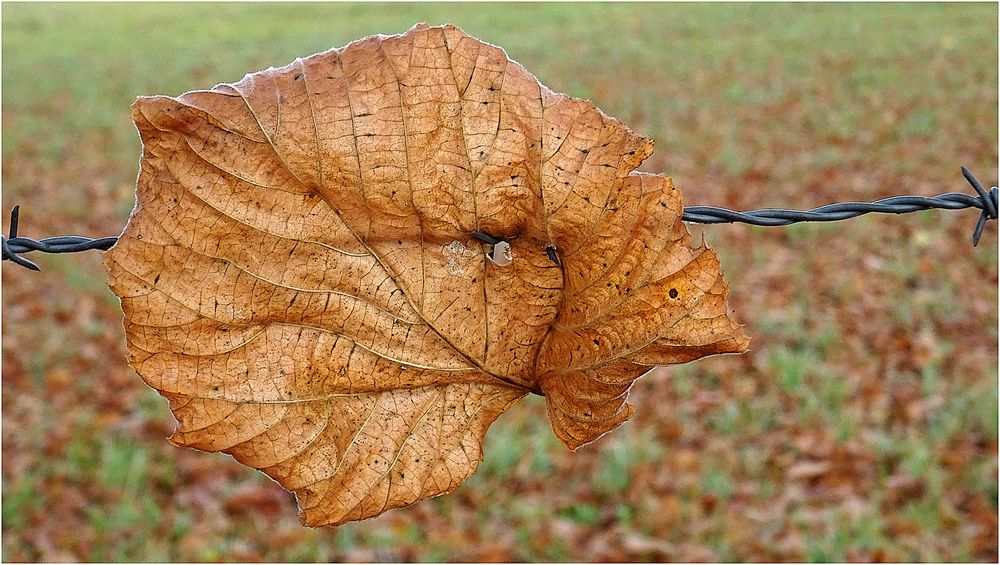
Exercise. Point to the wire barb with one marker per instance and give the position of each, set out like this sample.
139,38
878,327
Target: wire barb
12,246
985,200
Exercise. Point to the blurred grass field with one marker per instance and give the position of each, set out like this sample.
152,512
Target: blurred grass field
862,425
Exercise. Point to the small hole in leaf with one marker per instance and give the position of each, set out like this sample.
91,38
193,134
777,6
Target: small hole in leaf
673,293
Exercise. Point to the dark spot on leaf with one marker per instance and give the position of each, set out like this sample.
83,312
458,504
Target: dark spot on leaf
673,293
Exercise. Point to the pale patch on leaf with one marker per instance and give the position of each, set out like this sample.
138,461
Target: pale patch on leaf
300,277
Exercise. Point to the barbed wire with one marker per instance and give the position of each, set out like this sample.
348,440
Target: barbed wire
14,245
984,200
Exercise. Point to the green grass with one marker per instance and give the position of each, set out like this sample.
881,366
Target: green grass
20,500
118,474
79,84
620,459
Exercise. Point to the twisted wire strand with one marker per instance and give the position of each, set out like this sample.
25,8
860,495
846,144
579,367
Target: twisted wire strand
984,200
13,246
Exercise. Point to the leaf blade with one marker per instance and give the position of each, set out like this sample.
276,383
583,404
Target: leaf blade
303,251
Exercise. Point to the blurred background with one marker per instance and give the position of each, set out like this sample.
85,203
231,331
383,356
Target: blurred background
862,425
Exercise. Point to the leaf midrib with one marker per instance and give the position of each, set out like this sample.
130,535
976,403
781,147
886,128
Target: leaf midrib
335,53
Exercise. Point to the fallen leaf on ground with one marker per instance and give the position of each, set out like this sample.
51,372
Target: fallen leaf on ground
306,278
808,469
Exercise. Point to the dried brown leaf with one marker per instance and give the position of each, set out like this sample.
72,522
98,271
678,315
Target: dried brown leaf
300,280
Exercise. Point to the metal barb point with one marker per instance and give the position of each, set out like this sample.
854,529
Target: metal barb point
553,254
14,213
485,237
989,204
9,253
